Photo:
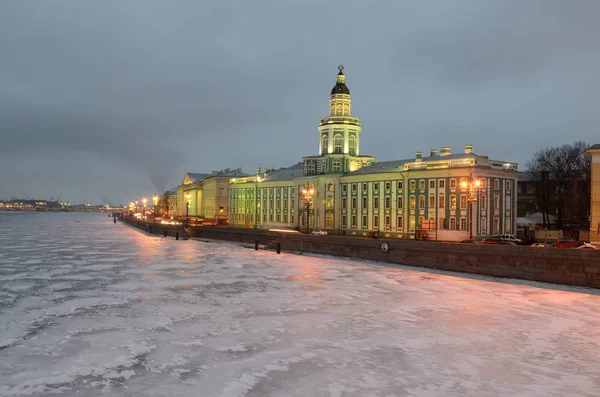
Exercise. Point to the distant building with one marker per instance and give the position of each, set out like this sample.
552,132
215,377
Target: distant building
204,197
594,153
168,203
450,195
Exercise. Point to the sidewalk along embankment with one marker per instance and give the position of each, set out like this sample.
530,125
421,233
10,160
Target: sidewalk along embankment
552,265
156,228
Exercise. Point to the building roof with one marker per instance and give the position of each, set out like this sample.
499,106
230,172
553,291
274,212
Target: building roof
171,192
196,177
283,174
596,146
381,167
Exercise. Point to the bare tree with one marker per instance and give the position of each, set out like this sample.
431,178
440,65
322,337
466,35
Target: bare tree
561,176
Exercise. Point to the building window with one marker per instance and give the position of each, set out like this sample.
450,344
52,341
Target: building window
453,183
483,202
400,202
352,145
413,185
421,201
376,202
388,186
431,201
364,221
354,187
311,167
400,185
344,202
442,224
353,202
338,144
463,201
376,186
421,184
496,184
364,202
375,221
320,167
400,224
507,186
453,202
387,202
344,187
496,225
483,225
463,223
496,201
343,221
364,187
387,223
353,221
442,184
411,222
325,144
329,220
463,183
507,203
413,202
330,187
441,201
452,223
337,165
432,184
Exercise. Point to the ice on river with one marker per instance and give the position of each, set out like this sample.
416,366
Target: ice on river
91,308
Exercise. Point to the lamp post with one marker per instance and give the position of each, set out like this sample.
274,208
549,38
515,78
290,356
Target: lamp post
144,200
308,192
187,209
471,185
155,199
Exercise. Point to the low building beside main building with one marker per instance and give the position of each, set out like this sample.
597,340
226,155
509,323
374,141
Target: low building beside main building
204,197
448,196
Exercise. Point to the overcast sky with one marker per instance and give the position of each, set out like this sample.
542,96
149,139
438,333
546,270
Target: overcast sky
100,98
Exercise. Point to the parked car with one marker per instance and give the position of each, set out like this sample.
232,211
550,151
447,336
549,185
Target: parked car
587,246
540,245
319,232
510,238
566,242
491,240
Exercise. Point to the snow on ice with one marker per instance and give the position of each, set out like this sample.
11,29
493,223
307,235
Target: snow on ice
92,308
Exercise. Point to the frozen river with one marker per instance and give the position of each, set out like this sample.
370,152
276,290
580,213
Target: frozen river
90,308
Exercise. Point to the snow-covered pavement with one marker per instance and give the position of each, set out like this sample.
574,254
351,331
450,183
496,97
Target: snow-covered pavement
90,308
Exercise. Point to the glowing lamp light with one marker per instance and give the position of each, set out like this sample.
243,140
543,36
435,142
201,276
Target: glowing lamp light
477,182
463,184
144,200
155,199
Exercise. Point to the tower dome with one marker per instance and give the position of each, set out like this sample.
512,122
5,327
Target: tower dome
340,86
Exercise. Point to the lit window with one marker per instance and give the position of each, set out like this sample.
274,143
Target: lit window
337,165
413,185
338,144
325,144
453,202
421,201
441,201
463,201
413,202
431,201
352,145
412,222
421,184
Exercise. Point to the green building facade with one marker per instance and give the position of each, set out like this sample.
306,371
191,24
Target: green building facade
450,196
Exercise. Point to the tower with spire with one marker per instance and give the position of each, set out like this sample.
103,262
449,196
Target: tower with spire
339,136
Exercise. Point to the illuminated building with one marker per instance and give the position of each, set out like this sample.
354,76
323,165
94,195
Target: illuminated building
454,194
594,153
207,195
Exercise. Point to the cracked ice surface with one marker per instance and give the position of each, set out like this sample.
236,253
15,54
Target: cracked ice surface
92,308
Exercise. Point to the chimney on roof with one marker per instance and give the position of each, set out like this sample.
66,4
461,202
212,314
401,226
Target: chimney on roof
468,149
418,156
432,152
445,151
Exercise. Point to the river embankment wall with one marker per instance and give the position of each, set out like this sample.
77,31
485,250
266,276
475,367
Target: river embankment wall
553,265
156,228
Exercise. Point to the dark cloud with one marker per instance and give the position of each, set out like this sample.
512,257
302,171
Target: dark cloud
113,100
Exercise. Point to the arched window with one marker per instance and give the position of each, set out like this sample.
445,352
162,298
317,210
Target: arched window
352,145
338,110
325,144
346,110
332,110
329,220
338,144
337,165
311,167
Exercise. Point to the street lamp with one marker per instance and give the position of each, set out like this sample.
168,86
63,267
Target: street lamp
187,209
144,200
155,199
307,193
471,184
